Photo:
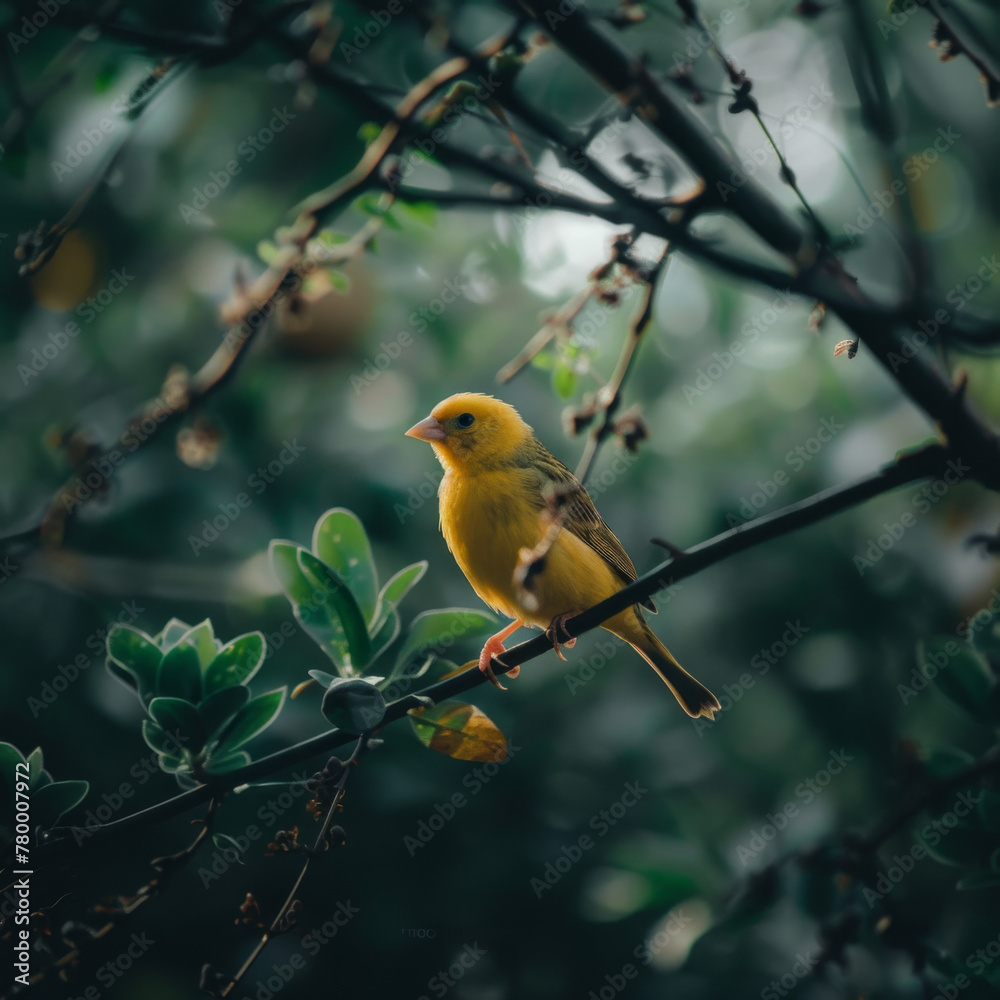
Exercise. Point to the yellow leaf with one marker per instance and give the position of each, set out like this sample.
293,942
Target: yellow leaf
459,730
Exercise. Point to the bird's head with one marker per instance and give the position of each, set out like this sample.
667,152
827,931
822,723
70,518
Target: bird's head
472,430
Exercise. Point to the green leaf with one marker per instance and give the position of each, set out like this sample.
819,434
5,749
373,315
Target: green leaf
315,616
159,740
341,282
53,801
172,633
107,73
226,843
958,846
218,708
322,677
369,131
436,631
172,764
181,719
369,204
385,634
285,563
36,766
964,678
459,730
252,719
133,657
267,251
203,639
353,704
179,675
339,539
236,663
423,211
10,756
344,606
563,380
398,585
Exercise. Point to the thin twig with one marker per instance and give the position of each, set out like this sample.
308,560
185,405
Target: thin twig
165,868
181,394
609,396
560,323
741,85
890,824
278,924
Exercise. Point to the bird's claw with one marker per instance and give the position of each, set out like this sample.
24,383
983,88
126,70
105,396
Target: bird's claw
494,647
556,634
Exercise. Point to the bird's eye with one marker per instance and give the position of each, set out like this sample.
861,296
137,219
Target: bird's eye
465,420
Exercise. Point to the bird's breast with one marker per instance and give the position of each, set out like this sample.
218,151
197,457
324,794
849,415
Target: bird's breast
486,519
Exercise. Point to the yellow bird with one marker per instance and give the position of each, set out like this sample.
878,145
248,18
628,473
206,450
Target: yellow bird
497,478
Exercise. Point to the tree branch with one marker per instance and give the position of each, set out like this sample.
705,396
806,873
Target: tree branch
912,466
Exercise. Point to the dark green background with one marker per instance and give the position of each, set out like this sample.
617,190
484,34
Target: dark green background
710,789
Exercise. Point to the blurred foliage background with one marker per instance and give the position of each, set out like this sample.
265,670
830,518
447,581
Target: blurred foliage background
724,433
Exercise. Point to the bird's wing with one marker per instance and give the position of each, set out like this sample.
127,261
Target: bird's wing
580,515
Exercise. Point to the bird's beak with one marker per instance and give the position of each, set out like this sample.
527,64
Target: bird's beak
428,429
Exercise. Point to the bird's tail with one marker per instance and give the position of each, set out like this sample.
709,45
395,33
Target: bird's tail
694,697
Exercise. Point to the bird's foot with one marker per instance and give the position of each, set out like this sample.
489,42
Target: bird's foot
556,634
494,647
